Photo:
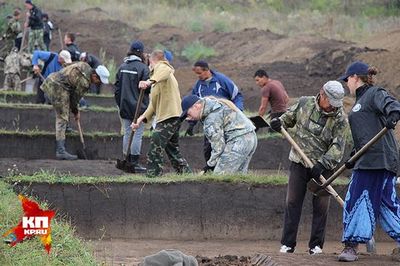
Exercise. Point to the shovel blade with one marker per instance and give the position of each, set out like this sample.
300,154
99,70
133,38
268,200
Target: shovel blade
315,187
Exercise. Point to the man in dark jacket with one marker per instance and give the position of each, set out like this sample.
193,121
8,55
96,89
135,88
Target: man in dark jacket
127,93
35,24
69,41
94,62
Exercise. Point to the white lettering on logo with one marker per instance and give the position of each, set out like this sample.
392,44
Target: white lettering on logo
33,222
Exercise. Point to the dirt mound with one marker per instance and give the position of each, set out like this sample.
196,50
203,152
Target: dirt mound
387,60
302,63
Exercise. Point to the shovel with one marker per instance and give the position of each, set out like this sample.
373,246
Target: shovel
317,188
82,152
329,189
125,165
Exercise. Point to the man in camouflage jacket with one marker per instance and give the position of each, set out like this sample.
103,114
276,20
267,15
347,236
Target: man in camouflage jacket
319,129
12,32
12,69
231,134
65,88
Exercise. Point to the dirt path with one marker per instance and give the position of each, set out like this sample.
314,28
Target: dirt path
131,252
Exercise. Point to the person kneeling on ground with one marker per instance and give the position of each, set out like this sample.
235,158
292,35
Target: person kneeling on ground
231,134
65,88
319,129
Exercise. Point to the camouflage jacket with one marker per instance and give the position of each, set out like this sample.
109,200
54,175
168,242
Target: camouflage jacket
74,78
15,61
13,29
222,124
321,135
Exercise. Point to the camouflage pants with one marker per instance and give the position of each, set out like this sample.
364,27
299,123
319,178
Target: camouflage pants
36,41
166,137
59,98
12,82
237,154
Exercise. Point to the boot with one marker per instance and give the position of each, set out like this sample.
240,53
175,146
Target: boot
349,253
61,153
135,161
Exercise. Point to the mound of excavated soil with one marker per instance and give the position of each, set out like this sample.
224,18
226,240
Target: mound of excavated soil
303,63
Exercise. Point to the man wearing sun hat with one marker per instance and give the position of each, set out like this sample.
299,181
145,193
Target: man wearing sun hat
319,127
65,88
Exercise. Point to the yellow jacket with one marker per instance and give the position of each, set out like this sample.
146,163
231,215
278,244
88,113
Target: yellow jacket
165,99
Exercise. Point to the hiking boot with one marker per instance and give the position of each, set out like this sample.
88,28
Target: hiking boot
316,250
134,159
348,254
286,249
61,153
396,254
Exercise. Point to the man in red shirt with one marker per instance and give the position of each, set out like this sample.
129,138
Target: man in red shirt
272,92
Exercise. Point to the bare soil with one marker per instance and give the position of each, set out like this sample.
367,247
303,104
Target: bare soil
302,63
123,252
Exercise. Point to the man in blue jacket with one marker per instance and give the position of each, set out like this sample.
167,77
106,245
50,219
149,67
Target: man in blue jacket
213,83
53,62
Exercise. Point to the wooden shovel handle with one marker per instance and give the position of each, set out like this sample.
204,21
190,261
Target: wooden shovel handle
310,165
355,157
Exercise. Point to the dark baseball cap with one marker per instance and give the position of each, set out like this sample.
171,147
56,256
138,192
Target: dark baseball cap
137,46
188,102
356,68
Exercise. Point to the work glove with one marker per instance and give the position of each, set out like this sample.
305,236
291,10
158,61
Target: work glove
350,165
317,170
276,124
392,119
208,168
189,130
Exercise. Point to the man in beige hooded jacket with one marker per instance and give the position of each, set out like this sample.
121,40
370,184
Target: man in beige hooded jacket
165,105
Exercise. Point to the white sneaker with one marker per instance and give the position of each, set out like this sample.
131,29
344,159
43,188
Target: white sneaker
315,250
286,249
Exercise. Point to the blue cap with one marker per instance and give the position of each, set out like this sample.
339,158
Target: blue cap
356,68
168,55
137,46
188,102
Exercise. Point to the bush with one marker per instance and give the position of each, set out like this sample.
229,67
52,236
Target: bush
110,64
5,10
221,26
196,51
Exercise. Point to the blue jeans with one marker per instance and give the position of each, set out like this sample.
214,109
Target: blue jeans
136,145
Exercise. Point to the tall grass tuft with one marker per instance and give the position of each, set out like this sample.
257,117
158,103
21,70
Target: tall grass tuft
196,50
110,64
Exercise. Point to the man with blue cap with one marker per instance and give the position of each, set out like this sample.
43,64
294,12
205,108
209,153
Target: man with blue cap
231,134
129,74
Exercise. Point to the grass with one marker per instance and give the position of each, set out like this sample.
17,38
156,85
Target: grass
252,178
26,94
93,108
197,50
67,248
52,178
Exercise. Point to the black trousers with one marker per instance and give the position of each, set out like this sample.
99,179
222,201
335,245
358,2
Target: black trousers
296,191
207,149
